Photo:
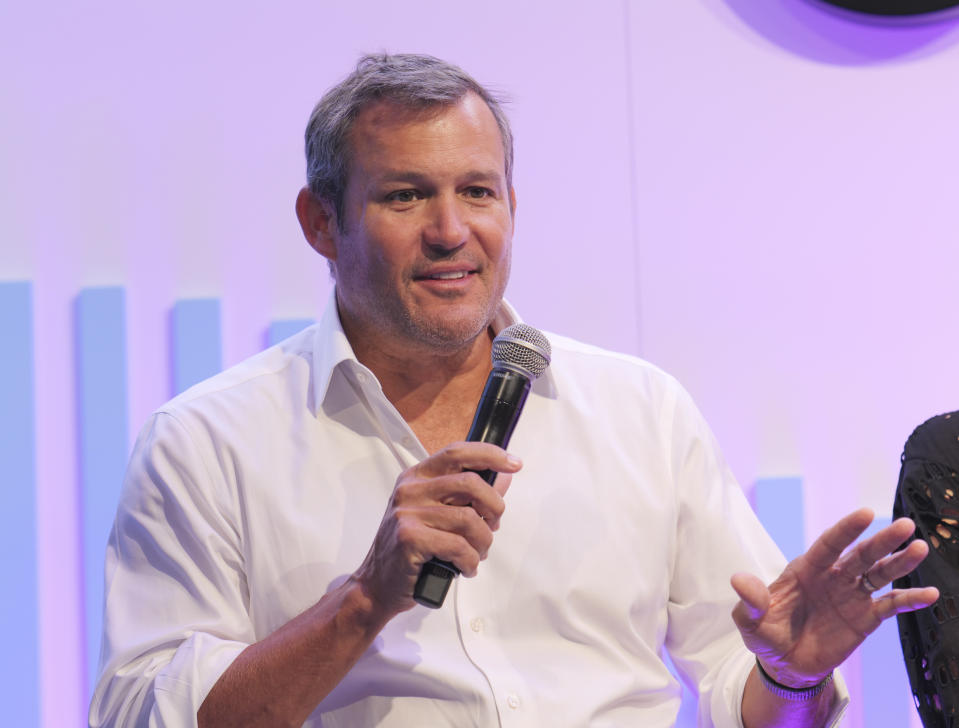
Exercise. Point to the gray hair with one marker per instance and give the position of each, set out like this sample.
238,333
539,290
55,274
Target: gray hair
412,81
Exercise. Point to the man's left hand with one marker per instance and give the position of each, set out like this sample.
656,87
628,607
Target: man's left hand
808,621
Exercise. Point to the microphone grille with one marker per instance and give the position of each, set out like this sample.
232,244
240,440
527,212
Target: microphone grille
522,347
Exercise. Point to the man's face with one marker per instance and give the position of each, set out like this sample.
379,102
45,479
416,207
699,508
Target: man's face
423,256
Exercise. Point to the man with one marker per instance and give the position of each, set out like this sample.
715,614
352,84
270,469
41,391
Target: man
255,580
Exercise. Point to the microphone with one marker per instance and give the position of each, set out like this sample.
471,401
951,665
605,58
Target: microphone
520,355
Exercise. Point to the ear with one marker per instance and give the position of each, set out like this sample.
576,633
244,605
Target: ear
512,202
318,221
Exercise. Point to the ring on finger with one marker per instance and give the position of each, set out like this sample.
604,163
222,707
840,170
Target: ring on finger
867,584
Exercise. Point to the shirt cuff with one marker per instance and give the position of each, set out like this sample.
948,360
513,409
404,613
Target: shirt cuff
840,700
728,700
181,687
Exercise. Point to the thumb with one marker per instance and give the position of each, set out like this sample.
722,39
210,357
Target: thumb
754,600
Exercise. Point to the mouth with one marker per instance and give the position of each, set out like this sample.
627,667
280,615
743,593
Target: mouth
445,275
450,276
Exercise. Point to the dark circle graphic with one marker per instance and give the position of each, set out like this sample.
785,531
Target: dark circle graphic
895,7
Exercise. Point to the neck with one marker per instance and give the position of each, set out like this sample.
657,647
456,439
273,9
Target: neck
417,382
435,391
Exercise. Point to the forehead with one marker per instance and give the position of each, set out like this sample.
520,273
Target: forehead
388,134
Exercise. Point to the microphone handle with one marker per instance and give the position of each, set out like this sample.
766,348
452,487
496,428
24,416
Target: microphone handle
495,419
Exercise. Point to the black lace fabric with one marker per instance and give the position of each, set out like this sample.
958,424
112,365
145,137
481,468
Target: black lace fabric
928,492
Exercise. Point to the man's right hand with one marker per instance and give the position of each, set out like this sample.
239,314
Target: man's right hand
438,508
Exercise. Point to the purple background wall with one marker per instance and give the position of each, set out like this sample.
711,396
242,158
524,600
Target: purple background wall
757,195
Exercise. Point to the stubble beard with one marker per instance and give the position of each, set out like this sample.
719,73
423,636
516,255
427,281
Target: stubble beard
432,333
446,334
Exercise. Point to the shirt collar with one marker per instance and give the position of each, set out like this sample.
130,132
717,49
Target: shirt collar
331,348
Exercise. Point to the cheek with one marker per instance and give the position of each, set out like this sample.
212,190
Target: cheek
500,245
366,253
390,246
386,264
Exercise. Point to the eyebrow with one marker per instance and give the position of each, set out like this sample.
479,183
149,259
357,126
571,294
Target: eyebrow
400,175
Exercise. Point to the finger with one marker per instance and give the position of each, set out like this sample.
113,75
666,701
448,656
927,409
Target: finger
457,550
443,532
827,549
897,564
502,483
468,489
754,599
898,601
463,488
463,522
864,555
477,456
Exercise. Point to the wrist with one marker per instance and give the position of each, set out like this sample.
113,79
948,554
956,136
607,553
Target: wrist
360,607
789,692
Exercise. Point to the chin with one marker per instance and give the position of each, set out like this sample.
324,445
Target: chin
450,333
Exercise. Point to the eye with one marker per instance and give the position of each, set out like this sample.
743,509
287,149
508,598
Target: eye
403,196
478,193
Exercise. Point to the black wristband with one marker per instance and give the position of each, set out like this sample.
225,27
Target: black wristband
787,693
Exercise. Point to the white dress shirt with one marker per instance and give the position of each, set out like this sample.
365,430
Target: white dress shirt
252,494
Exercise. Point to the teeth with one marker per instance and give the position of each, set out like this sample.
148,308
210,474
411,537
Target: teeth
449,276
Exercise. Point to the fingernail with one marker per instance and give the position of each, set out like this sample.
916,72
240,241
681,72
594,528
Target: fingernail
514,461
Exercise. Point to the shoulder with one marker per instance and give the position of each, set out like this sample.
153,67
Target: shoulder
274,381
578,365
632,393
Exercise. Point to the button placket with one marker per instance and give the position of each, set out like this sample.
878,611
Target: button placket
479,638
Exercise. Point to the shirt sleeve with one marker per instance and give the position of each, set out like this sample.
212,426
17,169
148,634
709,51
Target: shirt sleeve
176,603
718,535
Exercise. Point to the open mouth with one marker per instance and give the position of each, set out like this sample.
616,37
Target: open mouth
450,276
445,275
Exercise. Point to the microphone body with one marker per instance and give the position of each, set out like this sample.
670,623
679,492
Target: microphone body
516,362
498,411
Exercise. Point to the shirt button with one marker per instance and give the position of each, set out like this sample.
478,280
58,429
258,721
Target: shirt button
513,701
361,377
476,624
407,442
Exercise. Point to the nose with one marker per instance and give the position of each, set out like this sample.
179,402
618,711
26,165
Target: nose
446,227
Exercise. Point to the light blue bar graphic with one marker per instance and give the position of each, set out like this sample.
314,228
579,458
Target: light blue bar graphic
197,348
103,415
19,608
285,328
887,697
779,505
